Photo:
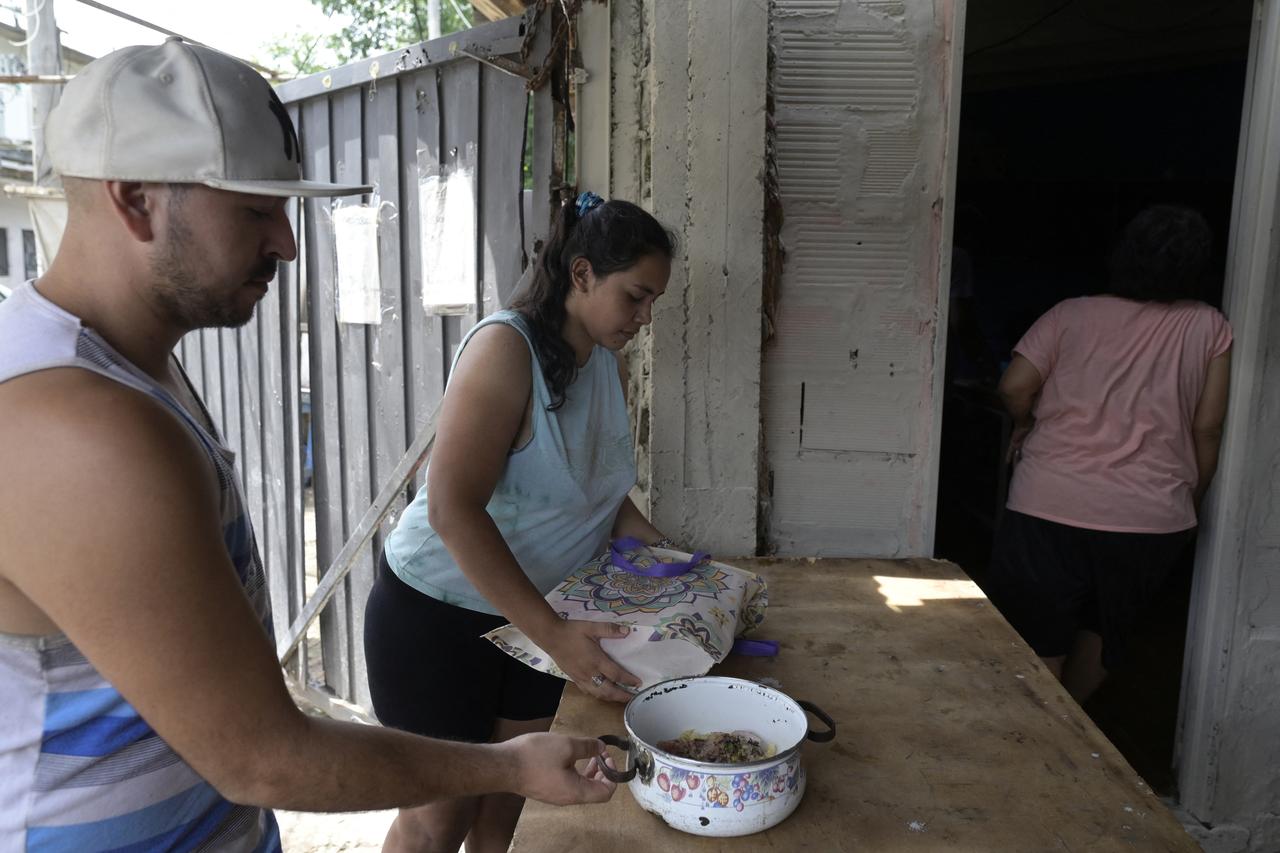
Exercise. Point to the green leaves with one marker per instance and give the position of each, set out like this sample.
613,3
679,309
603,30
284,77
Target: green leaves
376,26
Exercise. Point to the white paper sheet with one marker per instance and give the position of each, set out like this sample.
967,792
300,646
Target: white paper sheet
355,231
447,217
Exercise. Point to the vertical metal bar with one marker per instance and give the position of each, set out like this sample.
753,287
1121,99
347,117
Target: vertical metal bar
290,377
328,472
502,100
211,391
353,397
299,564
423,334
385,360
250,377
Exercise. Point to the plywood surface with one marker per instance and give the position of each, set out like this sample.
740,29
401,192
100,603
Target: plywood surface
951,734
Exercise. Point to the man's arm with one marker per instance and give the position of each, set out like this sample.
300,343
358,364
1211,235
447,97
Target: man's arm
1206,426
111,528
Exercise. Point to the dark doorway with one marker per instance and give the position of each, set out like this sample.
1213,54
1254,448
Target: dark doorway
1074,116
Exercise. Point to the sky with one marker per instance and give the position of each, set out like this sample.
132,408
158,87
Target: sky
242,28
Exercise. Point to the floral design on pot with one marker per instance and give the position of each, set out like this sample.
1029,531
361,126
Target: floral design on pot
737,791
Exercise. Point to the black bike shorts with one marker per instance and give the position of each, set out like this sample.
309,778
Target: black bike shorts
432,673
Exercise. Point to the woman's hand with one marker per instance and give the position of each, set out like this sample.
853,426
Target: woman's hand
1016,440
575,647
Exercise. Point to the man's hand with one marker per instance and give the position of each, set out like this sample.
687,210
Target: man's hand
546,769
575,647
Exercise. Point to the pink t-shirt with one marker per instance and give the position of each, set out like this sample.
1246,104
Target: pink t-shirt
1112,447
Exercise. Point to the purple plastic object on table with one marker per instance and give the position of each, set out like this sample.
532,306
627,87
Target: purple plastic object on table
756,648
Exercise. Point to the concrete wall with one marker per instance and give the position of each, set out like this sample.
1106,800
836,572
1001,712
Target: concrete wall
864,102
688,129
1230,746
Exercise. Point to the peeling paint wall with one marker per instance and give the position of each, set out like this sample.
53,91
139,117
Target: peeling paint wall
862,96
688,142
628,137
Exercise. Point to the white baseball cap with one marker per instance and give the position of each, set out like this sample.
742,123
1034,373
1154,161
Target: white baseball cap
183,114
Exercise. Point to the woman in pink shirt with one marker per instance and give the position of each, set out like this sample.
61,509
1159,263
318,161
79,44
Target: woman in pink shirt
1117,403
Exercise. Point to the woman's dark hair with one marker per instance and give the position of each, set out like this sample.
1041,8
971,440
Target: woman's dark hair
1163,256
612,236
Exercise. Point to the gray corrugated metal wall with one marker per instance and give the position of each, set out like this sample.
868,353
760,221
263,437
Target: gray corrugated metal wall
379,121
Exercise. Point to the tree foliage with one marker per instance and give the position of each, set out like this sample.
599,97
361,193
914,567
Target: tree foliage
377,26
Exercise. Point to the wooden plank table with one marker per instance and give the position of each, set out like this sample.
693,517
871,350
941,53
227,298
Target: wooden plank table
951,734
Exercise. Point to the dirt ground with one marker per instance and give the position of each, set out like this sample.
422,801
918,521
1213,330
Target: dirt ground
333,833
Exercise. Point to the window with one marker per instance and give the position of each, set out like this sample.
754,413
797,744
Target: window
29,253
4,252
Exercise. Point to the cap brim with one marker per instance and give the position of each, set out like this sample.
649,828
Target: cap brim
287,189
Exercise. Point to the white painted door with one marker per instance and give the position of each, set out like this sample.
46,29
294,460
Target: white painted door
865,97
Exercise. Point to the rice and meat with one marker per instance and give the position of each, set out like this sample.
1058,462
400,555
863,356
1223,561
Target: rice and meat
717,747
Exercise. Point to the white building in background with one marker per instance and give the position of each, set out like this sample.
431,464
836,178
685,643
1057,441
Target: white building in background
18,253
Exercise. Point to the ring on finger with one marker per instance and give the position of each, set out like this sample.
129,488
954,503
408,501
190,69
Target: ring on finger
597,680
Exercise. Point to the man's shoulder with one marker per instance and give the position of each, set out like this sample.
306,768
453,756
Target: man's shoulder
67,385
59,409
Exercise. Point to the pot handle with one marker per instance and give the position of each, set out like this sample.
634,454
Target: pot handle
819,737
624,744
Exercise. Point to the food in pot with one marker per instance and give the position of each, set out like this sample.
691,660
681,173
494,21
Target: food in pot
718,747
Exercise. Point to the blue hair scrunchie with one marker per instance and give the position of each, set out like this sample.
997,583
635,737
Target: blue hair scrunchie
587,202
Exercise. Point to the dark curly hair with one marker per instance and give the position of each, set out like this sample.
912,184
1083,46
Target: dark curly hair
613,237
1163,256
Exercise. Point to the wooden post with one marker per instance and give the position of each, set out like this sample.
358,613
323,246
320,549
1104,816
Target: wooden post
44,57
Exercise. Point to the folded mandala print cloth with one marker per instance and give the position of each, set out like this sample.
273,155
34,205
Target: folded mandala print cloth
684,611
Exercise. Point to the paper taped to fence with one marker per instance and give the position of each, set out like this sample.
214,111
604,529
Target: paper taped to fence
447,217
355,238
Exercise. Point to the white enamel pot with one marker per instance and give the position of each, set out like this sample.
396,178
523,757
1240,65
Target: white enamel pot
715,799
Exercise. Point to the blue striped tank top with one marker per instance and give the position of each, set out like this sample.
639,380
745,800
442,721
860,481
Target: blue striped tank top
80,769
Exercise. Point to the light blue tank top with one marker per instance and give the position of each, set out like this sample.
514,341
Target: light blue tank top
558,496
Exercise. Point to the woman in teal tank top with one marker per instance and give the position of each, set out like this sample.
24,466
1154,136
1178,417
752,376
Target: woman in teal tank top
527,481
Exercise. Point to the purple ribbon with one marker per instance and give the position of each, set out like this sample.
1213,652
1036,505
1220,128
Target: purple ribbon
750,648
659,570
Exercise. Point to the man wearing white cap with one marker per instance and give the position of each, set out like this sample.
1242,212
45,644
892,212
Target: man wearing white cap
142,706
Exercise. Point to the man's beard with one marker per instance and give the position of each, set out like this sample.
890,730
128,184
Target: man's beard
178,291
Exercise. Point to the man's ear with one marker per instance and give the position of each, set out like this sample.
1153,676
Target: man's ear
580,274
134,204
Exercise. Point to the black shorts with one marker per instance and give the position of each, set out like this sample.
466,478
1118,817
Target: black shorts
1051,580
432,673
